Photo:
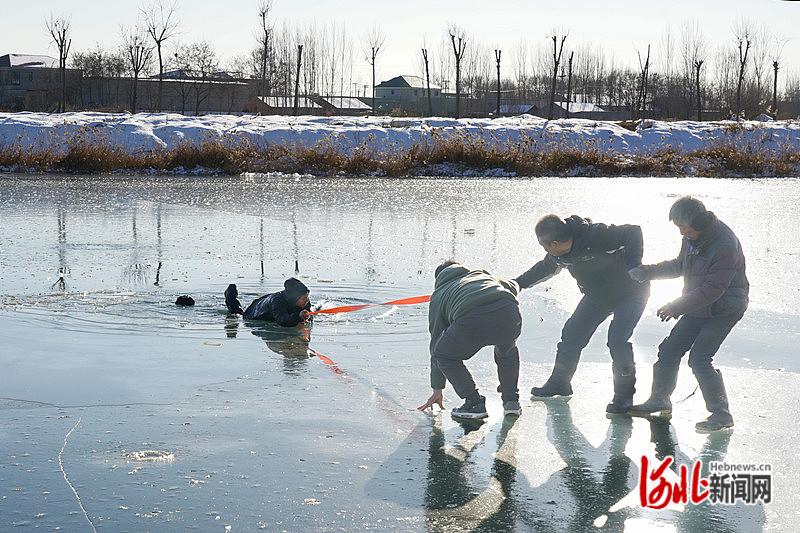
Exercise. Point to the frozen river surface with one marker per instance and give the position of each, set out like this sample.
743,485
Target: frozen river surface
120,411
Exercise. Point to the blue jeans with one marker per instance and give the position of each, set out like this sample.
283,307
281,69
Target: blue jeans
583,323
701,337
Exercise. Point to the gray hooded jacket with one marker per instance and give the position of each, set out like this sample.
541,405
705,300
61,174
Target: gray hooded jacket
713,269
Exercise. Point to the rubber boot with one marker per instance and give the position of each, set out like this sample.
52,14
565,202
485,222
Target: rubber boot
231,300
624,389
553,388
665,378
713,388
558,384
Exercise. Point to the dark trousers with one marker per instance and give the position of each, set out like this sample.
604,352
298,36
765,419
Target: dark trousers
495,324
703,336
580,327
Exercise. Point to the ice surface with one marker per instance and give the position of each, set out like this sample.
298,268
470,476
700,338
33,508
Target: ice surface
315,429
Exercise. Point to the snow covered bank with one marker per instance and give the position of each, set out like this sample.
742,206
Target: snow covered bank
483,144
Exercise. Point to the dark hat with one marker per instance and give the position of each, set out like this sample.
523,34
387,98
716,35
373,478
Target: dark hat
294,288
184,300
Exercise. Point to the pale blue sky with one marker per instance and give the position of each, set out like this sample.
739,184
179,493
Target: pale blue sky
619,26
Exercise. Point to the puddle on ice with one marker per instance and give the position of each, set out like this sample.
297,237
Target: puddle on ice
150,456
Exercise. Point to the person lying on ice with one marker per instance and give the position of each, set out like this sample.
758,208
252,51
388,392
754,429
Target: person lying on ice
288,307
598,257
470,309
715,297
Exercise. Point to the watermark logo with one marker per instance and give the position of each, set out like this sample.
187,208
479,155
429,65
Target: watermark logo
726,484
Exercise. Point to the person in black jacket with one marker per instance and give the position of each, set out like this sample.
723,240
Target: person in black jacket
598,256
715,296
288,307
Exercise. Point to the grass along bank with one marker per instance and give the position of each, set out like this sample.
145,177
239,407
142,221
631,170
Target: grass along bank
83,152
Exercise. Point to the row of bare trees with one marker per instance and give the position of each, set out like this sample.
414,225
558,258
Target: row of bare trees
141,48
328,64
678,77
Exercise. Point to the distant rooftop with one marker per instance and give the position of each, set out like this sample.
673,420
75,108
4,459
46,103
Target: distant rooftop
407,81
27,61
288,101
511,109
345,102
184,74
577,107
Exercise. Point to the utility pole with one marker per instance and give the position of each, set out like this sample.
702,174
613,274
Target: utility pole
569,81
775,89
297,78
497,54
697,66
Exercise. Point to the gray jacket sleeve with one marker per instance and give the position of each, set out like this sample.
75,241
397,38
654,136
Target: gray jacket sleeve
718,278
437,323
668,269
541,271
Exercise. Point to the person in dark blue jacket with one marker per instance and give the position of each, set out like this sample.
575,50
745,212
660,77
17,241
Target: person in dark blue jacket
598,256
288,307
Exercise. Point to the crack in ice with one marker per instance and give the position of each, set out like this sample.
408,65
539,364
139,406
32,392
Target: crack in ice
64,472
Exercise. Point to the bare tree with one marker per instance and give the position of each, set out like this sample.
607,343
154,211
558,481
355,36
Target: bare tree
666,67
744,41
97,67
459,42
777,50
264,44
641,101
373,43
182,63
161,24
59,30
760,61
693,50
520,64
199,61
698,64
557,51
137,52
428,80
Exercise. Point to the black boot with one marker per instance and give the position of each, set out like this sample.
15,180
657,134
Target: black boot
558,384
713,388
665,378
554,387
231,302
624,389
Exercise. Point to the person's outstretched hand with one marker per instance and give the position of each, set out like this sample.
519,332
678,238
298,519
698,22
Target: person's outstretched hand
640,273
666,313
436,399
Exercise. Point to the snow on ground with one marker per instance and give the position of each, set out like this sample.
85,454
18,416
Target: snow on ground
151,131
